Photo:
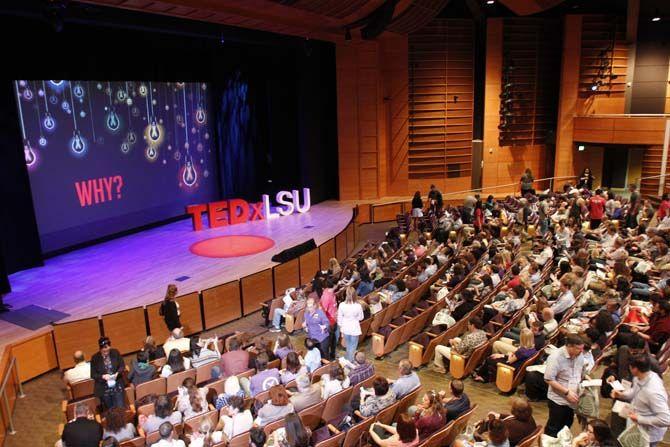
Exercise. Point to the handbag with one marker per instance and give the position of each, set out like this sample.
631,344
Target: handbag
634,436
589,402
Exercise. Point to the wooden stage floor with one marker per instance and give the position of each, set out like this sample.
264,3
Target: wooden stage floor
134,270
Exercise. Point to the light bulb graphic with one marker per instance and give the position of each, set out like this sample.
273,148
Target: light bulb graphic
113,122
152,153
120,94
190,175
125,147
42,141
180,84
131,137
29,154
78,90
143,90
65,106
200,115
77,143
154,131
48,121
56,83
27,94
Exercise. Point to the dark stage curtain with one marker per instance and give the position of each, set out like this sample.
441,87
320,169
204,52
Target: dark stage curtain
19,239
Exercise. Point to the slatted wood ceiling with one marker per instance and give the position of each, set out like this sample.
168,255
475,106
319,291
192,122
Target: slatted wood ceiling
441,99
600,34
533,47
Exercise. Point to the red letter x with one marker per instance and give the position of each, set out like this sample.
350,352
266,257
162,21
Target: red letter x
257,211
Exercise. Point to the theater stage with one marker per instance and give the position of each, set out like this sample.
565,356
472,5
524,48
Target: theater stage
134,270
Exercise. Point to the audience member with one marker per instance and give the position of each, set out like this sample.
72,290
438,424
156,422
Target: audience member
116,425
204,351
236,360
80,371
308,393
429,415
276,408
83,431
382,397
349,316
231,388
191,400
163,413
283,346
264,379
293,368
235,419
407,381
169,309
107,369
141,370
333,382
360,369
167,434
317,325
177,341
519,423
154,352
313,355
176,362
456,404
404,434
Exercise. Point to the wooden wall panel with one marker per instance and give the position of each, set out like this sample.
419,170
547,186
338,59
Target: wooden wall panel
568,96
256,289
326,251
364,214
309,264
385,213
286,275
36,355
157,326
191,318
347,121
221,304
441,98
76,335
126,329
619,130
351,238
651,166
341,246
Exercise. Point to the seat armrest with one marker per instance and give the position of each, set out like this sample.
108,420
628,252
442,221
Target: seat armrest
431,335
332,429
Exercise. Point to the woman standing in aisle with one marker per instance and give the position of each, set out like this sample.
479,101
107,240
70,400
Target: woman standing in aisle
349,315
169,309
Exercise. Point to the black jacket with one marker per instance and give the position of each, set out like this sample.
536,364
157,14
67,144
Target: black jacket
98,370
82,432
170,314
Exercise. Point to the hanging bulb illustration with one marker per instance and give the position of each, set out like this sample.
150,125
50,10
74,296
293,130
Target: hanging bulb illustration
65,106
200,114
42,141
120,94
131,137
77,143
152,153
190,176
143,90
29,154
113,121
27,94
125,147
56,82
48,121
78,90
154,131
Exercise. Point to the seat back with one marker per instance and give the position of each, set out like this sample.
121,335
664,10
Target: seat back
389,314
81,389
532,438
459,425
146,409
358,433
437,438
318,372
155,436
408,400
155,386
217,386
311,416
175,380
365,327
248,373
387,415
377,320
367,383
272,426
91,402
193,424
332,441
138,441
276,363
336,403
203,373
241,440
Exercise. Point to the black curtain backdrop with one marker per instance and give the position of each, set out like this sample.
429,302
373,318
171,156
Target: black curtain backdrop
274,98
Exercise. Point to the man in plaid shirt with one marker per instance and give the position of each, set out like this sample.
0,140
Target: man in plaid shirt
360,370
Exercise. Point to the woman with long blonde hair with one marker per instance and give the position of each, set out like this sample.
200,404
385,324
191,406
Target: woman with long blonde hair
349,316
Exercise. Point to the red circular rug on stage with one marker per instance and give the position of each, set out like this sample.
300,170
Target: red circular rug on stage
231,246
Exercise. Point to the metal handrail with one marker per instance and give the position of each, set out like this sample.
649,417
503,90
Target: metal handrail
12,370
515,184
626,115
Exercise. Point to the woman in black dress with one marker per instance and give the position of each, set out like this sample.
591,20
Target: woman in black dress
169,309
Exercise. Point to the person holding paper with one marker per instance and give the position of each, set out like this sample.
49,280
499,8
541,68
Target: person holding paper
563,375
648,398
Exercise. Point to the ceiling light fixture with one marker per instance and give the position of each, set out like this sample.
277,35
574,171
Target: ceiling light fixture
490,2
656,17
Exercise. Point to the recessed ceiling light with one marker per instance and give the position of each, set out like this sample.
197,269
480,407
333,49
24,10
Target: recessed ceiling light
581,147
490,2
656,19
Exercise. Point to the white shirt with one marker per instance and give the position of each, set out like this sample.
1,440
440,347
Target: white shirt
348,318
166,371
239,423
563,303
81,371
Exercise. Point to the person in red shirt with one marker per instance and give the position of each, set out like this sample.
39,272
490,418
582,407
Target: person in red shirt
516,279
664,207
596,209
